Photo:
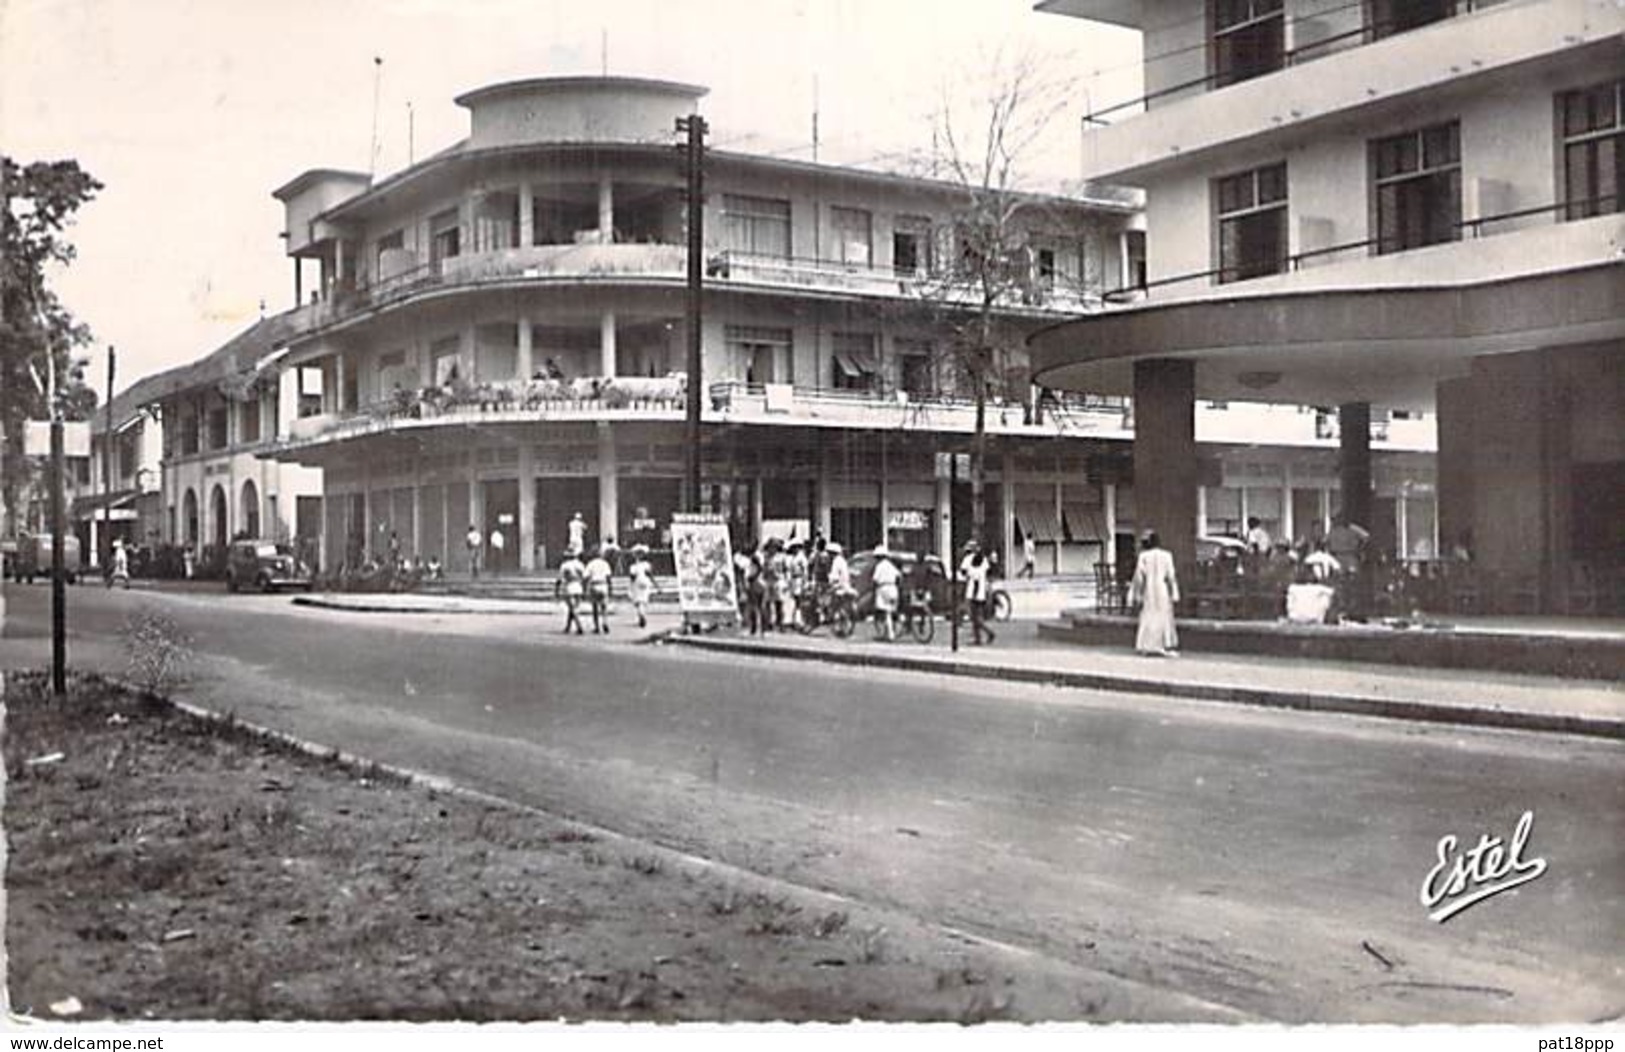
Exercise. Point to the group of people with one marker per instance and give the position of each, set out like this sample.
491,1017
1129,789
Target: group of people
777,577
591,582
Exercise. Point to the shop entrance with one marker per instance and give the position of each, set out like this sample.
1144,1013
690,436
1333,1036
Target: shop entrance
557,500
501,518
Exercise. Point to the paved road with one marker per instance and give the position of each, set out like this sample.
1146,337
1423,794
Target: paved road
1268,861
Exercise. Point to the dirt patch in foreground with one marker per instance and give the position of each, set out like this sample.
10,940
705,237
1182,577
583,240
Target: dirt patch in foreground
167,867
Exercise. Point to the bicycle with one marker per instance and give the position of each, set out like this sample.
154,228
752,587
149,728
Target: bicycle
823,607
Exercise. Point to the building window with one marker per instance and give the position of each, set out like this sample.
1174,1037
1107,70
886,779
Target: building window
446,359
189,434
855,366
394,241
1249,39
848,240
1418,187
129,454
915,374
219,437
757,226
764,354
911,245
1593,149
1252,223
1387,17
1135,273
310,390
446,237
248,420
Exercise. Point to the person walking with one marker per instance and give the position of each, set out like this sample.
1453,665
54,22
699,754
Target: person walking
598,573
886,578
643,582
976,570
1029,556
472,539
121,566
572,574
578,535
1155,591
499,540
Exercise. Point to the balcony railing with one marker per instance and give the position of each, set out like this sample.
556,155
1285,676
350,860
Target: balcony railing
878,280
1234,277
598,398
1367,33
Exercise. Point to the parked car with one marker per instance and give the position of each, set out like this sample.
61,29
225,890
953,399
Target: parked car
1227,550
33,558
941,587
265,565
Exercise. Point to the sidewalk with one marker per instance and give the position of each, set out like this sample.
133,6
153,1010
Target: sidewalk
1518,702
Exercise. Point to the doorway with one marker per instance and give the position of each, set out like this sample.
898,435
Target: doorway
501,519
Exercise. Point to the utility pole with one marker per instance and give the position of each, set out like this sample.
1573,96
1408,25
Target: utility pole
59,583
104,545
694,127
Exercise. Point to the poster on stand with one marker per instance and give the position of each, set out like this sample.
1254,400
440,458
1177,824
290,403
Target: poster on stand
706,590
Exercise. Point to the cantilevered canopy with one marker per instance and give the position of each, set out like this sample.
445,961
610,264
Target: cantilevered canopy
1388,346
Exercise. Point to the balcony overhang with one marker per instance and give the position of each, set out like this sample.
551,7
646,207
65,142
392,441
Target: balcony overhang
1388,346
1127,13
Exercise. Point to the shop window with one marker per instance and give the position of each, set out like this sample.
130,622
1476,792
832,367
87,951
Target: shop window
1249,39
1593,128
1252,213
1418,187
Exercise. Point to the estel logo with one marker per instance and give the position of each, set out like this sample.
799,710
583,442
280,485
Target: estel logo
1490,868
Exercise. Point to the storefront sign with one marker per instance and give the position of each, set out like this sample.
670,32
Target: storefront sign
908,519
703,559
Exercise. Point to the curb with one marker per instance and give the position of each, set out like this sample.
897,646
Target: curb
538,608
1348,704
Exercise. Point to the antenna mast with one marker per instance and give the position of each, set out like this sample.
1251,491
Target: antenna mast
377,81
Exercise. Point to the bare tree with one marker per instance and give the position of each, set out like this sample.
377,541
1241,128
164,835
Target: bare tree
991,261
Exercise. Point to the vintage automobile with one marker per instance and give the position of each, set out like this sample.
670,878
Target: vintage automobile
863,569
33,558
266,565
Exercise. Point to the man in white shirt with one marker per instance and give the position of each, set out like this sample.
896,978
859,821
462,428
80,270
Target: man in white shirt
840,574
474,542
578,534
975,570
598,573
886,578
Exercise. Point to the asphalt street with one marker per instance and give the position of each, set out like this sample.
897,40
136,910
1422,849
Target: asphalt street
1266,861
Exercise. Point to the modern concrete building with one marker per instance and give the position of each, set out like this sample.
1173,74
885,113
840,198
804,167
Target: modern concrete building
1392,208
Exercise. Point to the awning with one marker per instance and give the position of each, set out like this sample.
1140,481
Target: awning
855,365
1037,520
1084,522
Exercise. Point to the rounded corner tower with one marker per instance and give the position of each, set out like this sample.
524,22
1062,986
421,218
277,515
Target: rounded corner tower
577,110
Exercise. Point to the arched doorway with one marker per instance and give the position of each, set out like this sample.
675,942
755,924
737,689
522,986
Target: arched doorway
250,515
189,518
217,517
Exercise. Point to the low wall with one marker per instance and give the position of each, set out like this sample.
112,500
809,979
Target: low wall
1541,655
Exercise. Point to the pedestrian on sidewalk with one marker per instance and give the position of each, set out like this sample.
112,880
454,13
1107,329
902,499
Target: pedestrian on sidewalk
121,566
578,535
643,582
1155,591
976,570
886,578
499,541
473,540
571,575
1029,556
599,573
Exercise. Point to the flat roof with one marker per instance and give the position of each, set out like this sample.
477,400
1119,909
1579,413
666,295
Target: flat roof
542,85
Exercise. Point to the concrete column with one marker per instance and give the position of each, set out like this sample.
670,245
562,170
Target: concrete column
1108,495
527,501
338,261
1060,521
525,364
1201,510
1288,527
1354,461
606,344
338,384
756,508
1456,500
1165,468
821,504
885,501
417,509
470,337
945,538
527,216
609,496
606,211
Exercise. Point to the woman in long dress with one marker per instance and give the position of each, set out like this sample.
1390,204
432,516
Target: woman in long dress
1155,591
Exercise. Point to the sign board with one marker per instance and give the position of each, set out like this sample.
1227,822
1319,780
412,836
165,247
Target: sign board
37,438
945,466
908,519
703,558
